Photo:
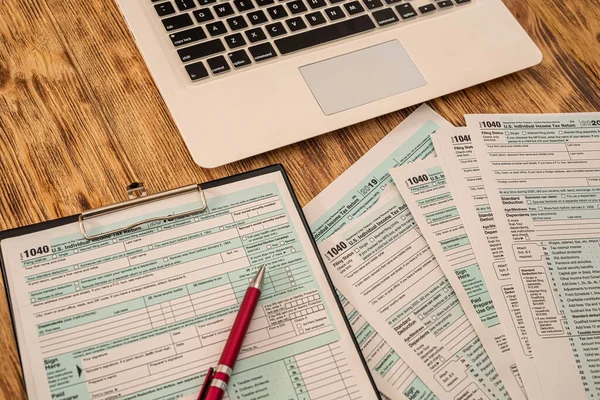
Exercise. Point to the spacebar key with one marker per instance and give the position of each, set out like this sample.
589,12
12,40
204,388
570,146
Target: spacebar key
325,34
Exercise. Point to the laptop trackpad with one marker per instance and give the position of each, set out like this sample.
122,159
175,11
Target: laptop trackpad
361,77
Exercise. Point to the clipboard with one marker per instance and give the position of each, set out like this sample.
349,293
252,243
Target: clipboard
138,197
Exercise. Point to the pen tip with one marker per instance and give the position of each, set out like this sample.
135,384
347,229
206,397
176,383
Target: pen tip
258,278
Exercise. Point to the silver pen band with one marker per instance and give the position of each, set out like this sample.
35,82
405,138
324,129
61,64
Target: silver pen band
224,369
221,384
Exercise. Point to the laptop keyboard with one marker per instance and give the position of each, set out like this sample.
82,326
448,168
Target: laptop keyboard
214,37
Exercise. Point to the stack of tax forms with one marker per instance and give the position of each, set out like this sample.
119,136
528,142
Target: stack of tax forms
468,259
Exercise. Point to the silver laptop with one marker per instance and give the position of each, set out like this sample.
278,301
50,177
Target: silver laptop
245,76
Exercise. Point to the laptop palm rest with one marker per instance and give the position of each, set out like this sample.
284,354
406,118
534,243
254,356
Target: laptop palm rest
361,77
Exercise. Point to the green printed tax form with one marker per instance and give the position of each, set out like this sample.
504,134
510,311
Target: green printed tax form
425,188
144,312
385,268
356,191
454,148
542,178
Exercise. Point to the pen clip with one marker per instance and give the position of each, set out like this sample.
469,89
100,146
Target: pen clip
204,389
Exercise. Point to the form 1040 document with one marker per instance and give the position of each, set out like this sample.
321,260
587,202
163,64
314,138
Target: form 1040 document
427,192
144,313
382,264
352,194
542,178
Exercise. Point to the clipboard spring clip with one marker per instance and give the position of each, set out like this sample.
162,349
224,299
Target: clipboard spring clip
138,196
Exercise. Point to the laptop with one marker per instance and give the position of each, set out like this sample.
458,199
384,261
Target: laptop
242,77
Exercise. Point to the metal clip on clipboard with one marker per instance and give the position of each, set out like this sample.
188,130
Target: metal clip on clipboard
138,196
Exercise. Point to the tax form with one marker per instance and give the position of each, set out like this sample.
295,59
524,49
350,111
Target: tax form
350,195
459,162
384,267
353,193
424,187
542,177
142,314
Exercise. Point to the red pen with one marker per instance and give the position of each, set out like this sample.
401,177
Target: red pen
215,382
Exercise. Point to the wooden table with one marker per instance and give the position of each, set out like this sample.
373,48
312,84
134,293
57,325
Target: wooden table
80,117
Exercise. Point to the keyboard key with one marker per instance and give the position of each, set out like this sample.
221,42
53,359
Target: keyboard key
203,15
324,34
257,17
277,12
237,22
255,35
216,28
335,13
296,7
243,5
218,65
234,41
263,3
262,52
406,11
185,5
223,9
317,3
196,71
354,8
177,22
385,17
392,1
205,2
188,36
445,3
295,24
163,9
462,1
315,18
275,29
427,8
201,50
335,1
372,4
239,59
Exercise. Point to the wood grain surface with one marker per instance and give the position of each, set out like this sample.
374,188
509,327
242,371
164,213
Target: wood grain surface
80,117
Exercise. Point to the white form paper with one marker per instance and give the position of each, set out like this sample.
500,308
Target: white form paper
142,314
383,265
349,196
459,162
542,178
424,187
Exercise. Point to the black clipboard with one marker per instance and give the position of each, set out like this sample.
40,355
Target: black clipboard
137,197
